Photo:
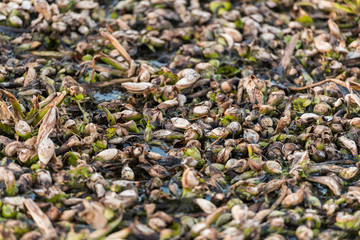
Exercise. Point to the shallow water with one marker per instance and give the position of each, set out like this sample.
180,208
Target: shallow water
159,150
101,97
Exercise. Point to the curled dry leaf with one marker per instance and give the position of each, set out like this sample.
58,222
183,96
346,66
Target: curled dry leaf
328,181
289,50
284,121
294,199
137,88
207,206
189,179
181,123
109,154
187,78
349,144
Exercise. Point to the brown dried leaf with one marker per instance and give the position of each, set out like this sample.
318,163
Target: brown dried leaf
289,50
334,29
158,171
272,186
42,221
93,214
43,8
349,144
284,121
252,90
294,199
5,113
328,181
48,124
30,76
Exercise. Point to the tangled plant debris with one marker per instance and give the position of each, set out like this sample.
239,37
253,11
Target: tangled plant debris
179,119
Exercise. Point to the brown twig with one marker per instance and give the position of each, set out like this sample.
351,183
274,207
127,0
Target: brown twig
193,119
111,82
353,85
214,143
199,93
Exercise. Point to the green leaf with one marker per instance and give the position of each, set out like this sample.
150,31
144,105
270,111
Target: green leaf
193,152
80,171
111,132
300,104
112,62
72,158
110,118
85,114
226,5
251,58
211,55
6,129
306,20
239,24
168,74
227,70
214,6
343,8
8,211
79,96
176,231
86,57
134,128
100,144
287,39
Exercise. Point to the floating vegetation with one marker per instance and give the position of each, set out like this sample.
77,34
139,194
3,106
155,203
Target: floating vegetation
179,119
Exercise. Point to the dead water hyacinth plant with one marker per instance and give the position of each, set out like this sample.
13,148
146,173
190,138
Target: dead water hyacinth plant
179,120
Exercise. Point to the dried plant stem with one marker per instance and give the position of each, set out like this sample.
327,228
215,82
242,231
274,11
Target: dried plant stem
353,85
199,93
214,143
112,82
